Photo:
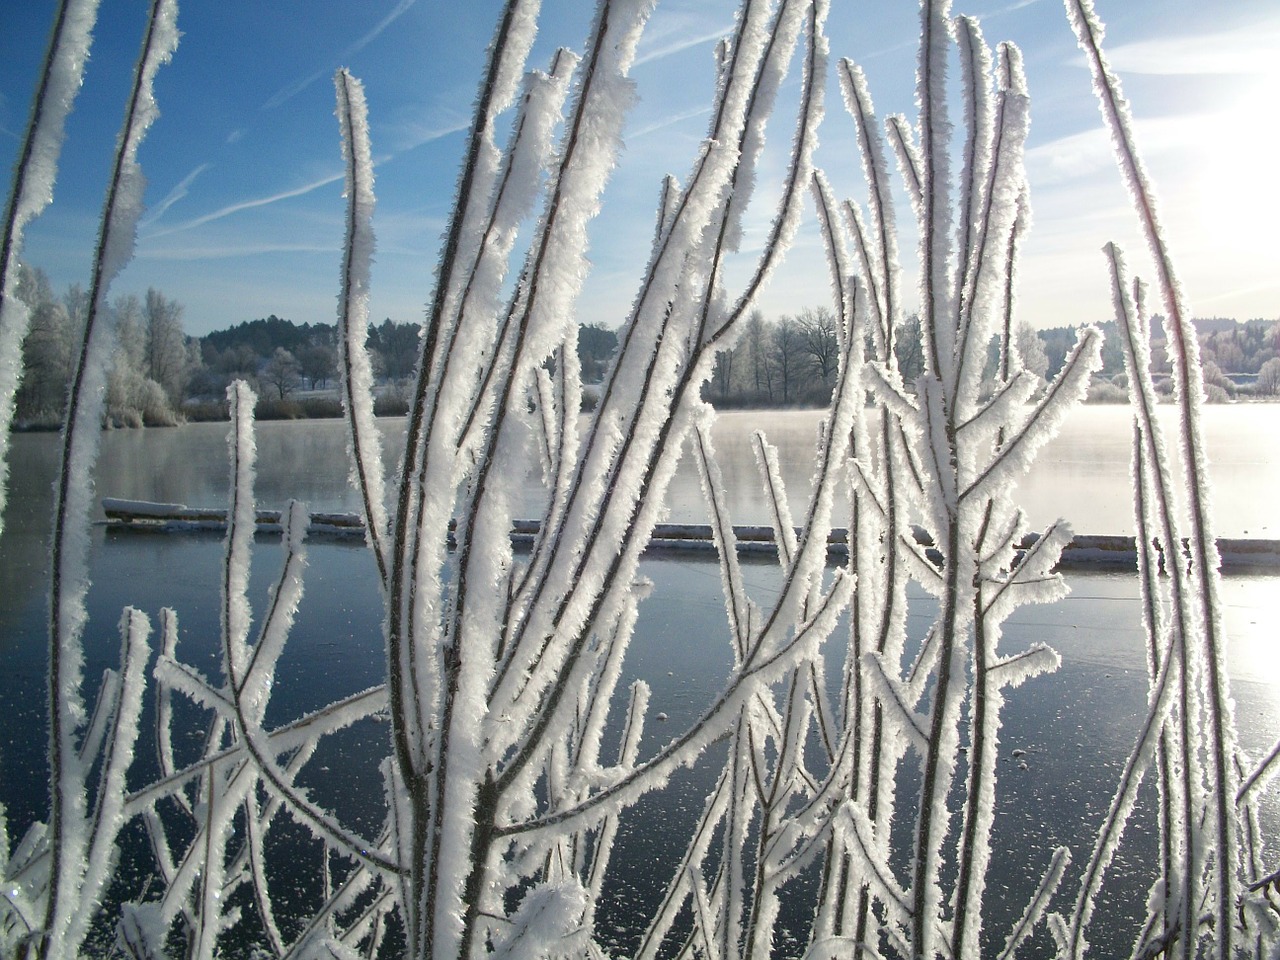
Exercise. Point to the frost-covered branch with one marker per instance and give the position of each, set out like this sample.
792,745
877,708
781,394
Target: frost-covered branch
69,836
33,180
364,441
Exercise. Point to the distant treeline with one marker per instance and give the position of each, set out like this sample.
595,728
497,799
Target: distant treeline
782,362
159,375
1238,359
283,358
789,360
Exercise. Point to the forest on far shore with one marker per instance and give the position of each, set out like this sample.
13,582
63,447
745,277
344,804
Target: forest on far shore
160,376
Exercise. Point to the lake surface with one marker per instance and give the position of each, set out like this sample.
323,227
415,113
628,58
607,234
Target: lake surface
1075,725
1081,475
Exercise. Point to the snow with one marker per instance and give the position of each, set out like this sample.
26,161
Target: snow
547,923
760,93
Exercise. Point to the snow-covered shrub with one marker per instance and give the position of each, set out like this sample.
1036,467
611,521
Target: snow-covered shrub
1268,383
1104,391
1218,388
1215,393
502,801
134,400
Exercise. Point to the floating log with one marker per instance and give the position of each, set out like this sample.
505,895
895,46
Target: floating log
171,517
1083,552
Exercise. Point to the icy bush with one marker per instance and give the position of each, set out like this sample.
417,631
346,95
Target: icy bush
1104,391
503,794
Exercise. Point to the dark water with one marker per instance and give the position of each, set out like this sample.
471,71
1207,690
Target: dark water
1076,726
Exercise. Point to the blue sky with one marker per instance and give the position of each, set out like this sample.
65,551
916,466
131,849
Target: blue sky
244,198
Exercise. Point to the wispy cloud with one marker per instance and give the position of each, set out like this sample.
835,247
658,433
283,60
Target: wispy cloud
1081,155
286,93
181,254
291,90
415,133
1265,285
247,205
668,47
1007,8
892,49
1249,48
668,121
180,190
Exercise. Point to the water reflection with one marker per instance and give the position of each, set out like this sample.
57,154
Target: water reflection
1082,475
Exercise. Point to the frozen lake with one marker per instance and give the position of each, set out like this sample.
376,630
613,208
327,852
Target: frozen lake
1076,725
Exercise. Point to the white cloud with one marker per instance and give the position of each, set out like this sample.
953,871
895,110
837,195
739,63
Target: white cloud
673,45
1081,155
289,91
180,190
1246,49
196,253
248,205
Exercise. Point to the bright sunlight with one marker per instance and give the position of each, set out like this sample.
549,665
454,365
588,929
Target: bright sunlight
1238,200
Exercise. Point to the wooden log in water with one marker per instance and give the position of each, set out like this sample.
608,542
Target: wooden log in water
176,517
1083,552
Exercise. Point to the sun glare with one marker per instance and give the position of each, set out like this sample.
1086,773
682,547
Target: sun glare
1238,185
1251,606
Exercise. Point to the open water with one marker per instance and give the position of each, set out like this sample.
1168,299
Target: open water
1076,726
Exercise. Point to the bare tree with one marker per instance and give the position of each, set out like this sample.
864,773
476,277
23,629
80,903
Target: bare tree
821,341
283,372
789,351
1269,378
757,338
317,361
722,377
908,348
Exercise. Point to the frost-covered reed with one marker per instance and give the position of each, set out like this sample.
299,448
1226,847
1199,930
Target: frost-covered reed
516,749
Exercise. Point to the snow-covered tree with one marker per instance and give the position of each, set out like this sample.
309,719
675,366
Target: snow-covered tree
165,355
47,352
1031,351
134,398
282,371
1269,378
